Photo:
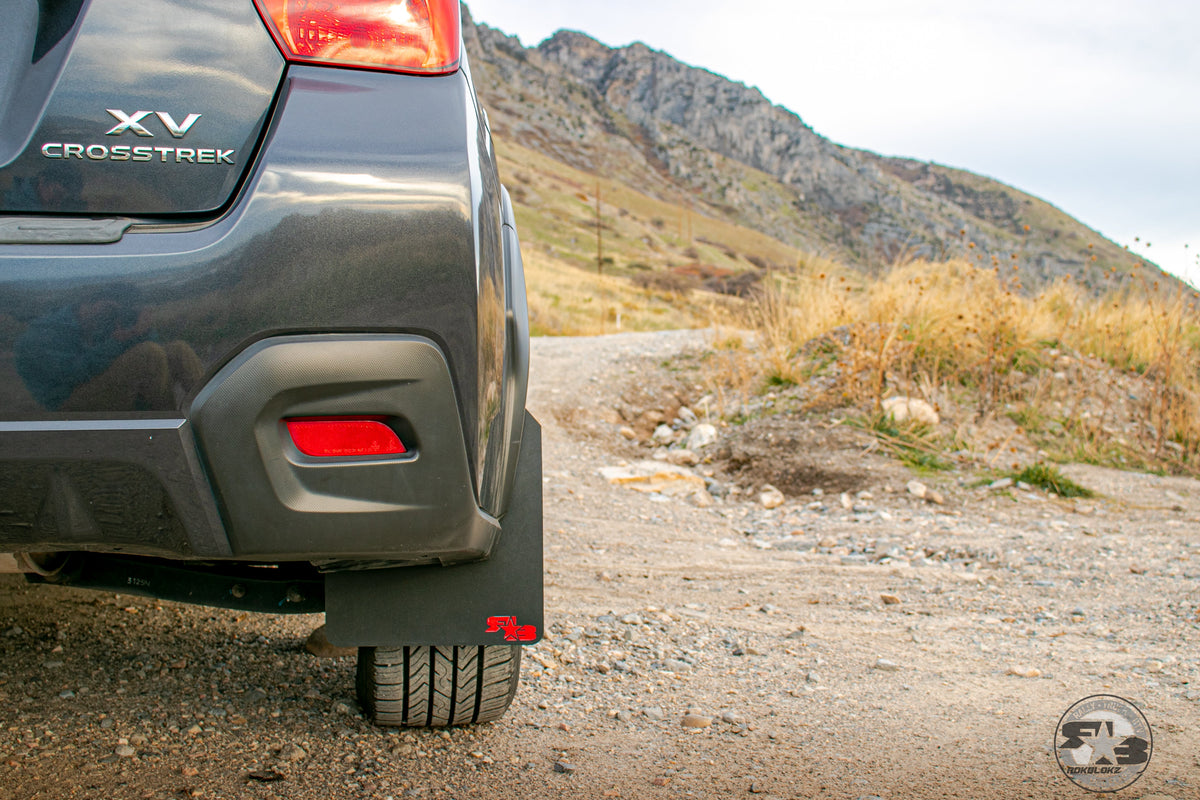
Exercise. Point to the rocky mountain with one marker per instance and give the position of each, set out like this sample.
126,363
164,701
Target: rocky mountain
693,138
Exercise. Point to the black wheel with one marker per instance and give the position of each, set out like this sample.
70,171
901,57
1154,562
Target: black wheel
435,687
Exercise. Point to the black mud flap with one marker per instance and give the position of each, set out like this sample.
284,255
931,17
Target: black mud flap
496,601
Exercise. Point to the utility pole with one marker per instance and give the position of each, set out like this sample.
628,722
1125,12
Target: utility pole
599,235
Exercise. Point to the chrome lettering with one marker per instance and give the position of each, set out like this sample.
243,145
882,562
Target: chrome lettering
128,122
178,130
121,152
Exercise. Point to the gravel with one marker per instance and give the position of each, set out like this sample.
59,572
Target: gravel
1013,605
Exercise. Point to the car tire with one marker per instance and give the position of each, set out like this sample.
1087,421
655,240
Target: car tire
437,687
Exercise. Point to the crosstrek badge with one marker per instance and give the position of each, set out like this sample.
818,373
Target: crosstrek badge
174,155
135,123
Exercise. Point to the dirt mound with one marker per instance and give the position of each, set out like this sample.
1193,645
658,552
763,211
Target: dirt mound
797,455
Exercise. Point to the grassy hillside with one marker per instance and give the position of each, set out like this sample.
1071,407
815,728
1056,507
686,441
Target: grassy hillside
659,264
1060,373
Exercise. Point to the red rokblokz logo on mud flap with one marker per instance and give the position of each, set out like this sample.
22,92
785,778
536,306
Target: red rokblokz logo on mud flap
512,631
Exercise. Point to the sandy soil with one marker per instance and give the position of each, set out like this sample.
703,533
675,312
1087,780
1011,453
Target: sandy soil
894,648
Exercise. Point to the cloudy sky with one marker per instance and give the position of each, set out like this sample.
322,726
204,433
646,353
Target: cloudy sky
1093,105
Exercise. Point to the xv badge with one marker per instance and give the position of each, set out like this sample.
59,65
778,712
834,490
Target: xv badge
133,122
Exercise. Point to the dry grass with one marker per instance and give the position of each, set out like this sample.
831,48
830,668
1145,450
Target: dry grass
1111,380
555,206
567,301
657,252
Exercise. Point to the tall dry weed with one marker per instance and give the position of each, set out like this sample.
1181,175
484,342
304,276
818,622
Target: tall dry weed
788,313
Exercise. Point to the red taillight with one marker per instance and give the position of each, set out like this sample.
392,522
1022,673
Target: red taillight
344,437
418,36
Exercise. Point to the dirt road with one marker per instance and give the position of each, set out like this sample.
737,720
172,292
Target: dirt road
874,645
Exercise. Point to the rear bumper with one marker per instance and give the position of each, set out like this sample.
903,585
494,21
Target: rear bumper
495,601
229,484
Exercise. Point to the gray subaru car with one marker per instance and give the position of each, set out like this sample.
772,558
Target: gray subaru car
263,334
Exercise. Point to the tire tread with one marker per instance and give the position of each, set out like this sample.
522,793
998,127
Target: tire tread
433,687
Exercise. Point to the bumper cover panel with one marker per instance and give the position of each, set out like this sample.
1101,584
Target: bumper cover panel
132,485
279,504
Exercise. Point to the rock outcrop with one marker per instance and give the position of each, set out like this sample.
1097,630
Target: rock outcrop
686,134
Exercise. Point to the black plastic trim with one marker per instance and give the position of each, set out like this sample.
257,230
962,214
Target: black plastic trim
504,441
281,505
271,590
162,447
516,374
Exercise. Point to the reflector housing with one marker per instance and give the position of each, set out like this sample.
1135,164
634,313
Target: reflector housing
344,437
421,37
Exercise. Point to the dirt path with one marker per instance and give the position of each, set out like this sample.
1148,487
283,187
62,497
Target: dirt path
769,627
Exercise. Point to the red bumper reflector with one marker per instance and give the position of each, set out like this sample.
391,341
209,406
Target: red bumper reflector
345,437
